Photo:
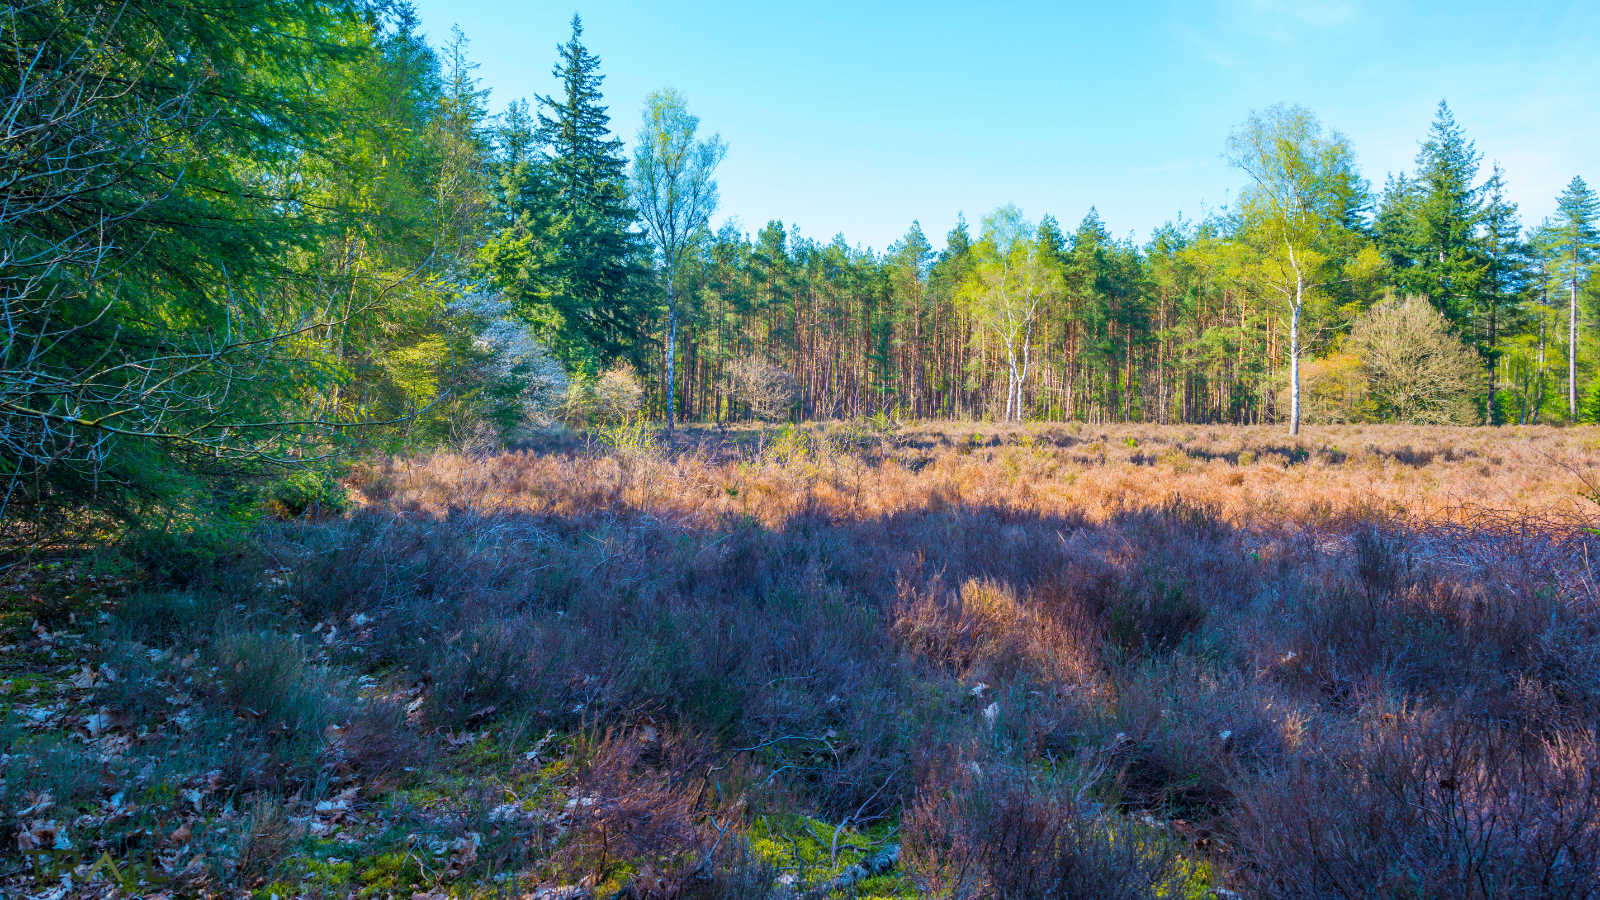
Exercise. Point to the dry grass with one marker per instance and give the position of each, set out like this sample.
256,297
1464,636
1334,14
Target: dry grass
1244,476
1128,662
1212,615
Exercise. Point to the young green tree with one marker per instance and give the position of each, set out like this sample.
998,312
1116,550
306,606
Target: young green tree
676,194
1576,238
1297,210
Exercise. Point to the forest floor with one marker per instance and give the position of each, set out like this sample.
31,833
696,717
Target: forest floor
942,660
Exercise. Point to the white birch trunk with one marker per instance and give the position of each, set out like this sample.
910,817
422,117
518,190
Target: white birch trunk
672,347
1294,355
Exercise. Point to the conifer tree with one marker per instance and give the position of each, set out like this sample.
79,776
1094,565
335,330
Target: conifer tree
596,292
1504,280
909,261
462,142
521,255
1576,240
1429,223
1050,237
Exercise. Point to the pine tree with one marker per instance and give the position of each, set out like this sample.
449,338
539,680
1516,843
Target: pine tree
908,263
597,294
1576,239
521,256
1503,283
949,270
1050,237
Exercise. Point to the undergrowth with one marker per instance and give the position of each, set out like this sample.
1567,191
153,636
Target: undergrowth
969,663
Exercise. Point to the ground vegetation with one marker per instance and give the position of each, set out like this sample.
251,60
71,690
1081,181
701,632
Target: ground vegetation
961,660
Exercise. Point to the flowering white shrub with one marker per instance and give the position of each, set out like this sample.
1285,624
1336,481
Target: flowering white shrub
514,379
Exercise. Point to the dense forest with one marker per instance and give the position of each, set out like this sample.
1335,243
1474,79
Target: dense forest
241,236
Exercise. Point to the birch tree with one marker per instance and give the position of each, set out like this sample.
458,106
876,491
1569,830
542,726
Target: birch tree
1012,281
676,194
1304,193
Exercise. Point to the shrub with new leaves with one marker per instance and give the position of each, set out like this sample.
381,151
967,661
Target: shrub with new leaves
613,398
1417,371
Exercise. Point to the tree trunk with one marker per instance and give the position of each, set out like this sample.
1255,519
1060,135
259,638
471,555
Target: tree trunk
1572,347
1294,356
1544,371
1490,360
672,346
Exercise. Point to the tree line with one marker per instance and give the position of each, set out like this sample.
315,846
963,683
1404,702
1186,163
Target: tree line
248,235
1214,320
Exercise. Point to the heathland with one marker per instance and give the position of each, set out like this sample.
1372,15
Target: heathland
963,660
401,499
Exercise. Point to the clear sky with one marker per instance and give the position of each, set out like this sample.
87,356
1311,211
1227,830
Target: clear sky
856,117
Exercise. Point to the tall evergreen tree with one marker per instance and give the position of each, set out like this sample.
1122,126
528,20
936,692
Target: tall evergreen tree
944,281
597,294
1576,241
462,143
1503,283
522,254
1050,237
1429,223
908,262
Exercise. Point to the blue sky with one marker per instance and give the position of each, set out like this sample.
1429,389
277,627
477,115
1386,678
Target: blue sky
858,117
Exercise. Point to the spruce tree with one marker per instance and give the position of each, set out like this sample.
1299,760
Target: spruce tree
461,140
597,292
1429,223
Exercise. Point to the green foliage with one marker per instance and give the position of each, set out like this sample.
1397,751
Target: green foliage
307,491
1428,223
190,357
815,851
598,255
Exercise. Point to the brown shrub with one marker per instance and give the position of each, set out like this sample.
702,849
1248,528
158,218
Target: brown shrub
1428,806
984,632
1002,835
1214,616
636,804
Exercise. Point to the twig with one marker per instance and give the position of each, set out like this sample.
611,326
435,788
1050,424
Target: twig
867,868
833,850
